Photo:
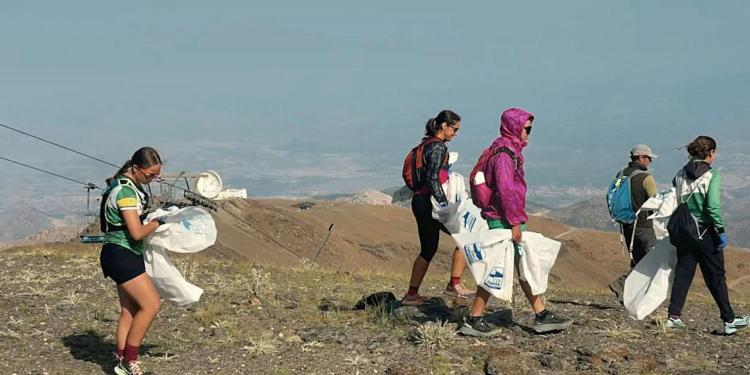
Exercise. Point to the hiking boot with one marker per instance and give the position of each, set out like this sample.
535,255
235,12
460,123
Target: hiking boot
731,327
131,368
458,291
476,326
413,300
675,323
618,288
549,322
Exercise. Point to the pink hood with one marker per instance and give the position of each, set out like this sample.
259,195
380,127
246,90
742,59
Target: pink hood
508,201
511,126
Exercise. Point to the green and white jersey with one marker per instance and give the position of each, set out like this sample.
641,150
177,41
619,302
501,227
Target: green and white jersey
124,195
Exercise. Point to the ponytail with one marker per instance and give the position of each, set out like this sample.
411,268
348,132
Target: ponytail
431,127
435,124
128,164
143,158
701,147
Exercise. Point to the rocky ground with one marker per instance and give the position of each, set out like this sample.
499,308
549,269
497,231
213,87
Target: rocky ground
58,315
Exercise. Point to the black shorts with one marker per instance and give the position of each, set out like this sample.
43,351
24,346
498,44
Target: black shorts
120,264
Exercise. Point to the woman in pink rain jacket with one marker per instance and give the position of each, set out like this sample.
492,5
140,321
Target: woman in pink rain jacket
506,179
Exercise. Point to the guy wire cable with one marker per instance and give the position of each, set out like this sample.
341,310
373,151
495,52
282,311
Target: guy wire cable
86,184
160,181
58,145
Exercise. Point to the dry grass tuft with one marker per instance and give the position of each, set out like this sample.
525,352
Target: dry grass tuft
209,314
619,330
434,336
261,346
258,282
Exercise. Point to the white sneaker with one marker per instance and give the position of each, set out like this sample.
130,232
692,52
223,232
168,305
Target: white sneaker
132,368
119,367
675,323
738,323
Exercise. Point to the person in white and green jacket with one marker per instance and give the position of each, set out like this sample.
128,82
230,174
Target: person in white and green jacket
698,185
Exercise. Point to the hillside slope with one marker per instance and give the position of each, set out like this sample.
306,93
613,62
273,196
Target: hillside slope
58,316
383,240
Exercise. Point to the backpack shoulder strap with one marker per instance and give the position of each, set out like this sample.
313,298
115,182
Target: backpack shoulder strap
636,172
505,150
429,141
696,183
107,196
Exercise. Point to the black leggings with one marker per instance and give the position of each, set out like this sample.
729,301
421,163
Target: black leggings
711,261
429,228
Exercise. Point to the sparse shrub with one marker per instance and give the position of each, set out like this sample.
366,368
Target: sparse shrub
434,336
73,298
258,282
10,334
660,320
355,360
306,265
90,327
311,345
188,268
293,339
380,316
40,290
209,314
100,313
261,346
620,330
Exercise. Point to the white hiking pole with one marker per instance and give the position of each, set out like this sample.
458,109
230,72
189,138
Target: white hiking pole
330,228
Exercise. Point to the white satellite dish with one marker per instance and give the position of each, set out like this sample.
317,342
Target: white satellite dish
208,184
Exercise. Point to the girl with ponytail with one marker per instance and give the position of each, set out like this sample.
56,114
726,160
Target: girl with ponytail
123,208
697,185
438,130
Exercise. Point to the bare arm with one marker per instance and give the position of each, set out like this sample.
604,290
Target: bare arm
137,230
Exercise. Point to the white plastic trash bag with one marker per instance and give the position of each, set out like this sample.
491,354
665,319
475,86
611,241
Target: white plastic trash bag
490,252
470,219
663,205
489,255
650,282
403,194
168,281
461,215
538,255
187,230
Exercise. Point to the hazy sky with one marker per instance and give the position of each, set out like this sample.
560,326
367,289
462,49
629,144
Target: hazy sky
300,97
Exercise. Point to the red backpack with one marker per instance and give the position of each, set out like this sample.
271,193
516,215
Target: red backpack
413,173
481,192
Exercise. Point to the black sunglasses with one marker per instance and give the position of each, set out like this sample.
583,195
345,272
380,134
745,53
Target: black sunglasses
528,130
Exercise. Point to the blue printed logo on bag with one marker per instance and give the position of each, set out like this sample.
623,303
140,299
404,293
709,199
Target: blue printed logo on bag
495,279
186,224
474,252
468,221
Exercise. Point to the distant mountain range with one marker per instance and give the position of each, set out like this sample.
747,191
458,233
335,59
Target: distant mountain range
592,213
29,225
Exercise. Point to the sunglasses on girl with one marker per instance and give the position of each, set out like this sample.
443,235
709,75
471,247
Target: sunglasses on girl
148,175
